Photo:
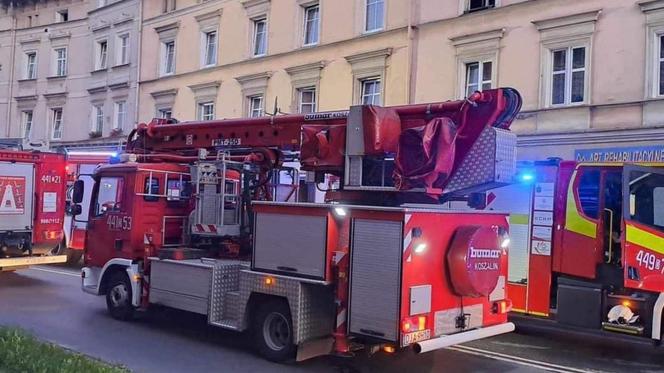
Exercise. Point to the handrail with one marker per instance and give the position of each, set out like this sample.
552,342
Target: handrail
610,235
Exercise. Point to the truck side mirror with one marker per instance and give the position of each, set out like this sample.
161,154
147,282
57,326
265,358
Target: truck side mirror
75,209
77,195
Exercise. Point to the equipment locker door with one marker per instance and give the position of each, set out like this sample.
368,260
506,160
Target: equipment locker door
16,196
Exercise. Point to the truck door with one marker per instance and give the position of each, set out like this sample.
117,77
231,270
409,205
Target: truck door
110,220
643,240
582,238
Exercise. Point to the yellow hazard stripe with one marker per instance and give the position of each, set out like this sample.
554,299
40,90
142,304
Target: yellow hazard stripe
574,222
644,239
519,219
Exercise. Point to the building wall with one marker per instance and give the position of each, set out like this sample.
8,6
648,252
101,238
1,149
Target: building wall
38,28
425,62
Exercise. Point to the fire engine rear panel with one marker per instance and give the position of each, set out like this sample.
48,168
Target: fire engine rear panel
375,278
16,196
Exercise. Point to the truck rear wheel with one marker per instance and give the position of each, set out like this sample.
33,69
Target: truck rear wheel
273,331
118,297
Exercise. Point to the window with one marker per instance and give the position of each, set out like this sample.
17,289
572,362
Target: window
475,5
123,49
568,80
311,24
256,106
56,123
306,100
97,119
478,76
646,196
151,188
120,114
62,15
102,54
169,6
588,191
165,113
371,92
60,61
660,64
260,37
374,15
31,65
168,64
109,196
206,111
27,124
210,48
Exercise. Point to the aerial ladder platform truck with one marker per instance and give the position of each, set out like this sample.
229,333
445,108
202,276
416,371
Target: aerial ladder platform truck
206,217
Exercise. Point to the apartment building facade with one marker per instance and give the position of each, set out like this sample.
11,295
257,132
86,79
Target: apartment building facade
589,70
69,72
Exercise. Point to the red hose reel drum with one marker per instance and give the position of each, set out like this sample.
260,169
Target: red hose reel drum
474,261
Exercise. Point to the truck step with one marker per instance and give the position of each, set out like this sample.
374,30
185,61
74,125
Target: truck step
227,324
620,328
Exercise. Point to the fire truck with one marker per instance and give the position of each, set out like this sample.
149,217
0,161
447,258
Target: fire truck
587,245
80,166
193,219
32,190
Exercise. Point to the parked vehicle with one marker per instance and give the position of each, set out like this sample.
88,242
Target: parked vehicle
191,220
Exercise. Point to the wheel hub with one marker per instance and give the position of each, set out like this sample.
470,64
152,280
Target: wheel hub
276,331
119,295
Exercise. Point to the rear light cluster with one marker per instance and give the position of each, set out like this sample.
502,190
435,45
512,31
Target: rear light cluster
502,306
413,324
53,235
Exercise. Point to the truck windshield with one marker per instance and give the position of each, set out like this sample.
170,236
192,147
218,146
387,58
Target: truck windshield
646,198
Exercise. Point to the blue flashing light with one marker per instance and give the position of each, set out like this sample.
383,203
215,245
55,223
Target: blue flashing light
527,177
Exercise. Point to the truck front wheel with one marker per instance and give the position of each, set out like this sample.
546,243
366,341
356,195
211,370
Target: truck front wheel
273,331
118,297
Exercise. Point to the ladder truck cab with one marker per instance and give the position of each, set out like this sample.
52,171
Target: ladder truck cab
587,245
32,191
205,217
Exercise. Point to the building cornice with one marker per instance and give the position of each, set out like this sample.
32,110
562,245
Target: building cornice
165,92
168,27
352,59
651,5
210,15
253,77
117,86
95,90
197,87
477,37
25,98
599,137
56,95
570,20
305,68
252,3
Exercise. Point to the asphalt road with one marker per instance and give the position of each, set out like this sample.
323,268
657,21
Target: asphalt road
48,302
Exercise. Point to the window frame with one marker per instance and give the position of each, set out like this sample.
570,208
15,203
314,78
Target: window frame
27,124
117,114
313,103
379,93
254,45
59,121
201,110
60,62
205,47
167,69
162,111
101,54
480,75
307,22
123,49
62,15
31,67
251,110
569,73
169,6
365,21
486,6
119,196
97,118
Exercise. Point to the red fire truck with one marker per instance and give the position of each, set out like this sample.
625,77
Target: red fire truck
587,245
189,220
32,189
80,166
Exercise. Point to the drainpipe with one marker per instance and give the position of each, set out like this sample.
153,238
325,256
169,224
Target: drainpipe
411,67
12,56
138,60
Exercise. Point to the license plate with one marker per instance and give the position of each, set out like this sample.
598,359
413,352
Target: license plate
413,337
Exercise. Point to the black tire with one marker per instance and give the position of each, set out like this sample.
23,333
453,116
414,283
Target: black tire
73,256
118,297
273,331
